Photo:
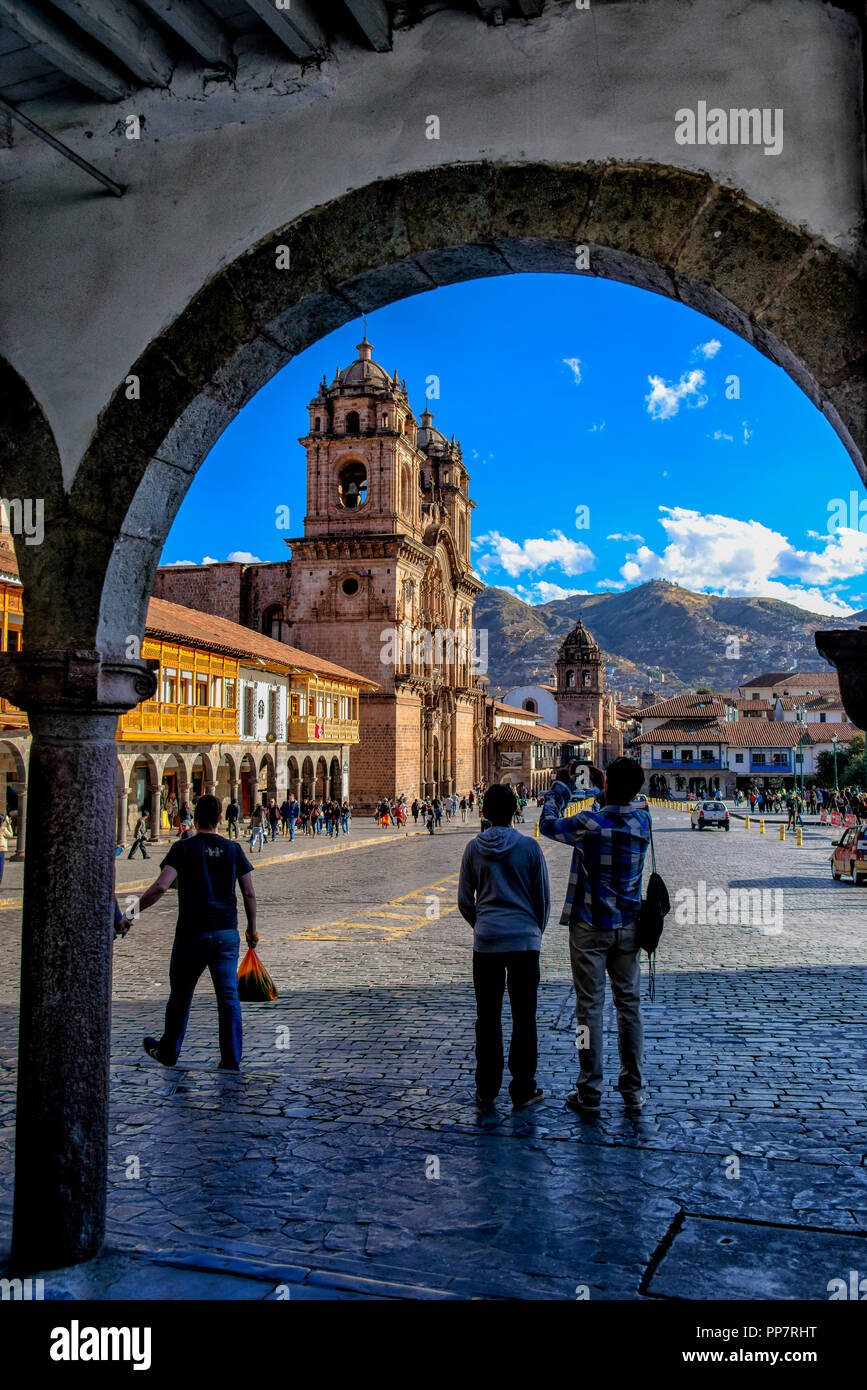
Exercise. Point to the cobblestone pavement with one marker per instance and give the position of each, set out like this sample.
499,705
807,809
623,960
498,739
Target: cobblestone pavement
349,1147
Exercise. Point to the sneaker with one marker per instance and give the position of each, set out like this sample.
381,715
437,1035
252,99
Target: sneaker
634,1104
531,1100
152,1048
486,1106
582,1107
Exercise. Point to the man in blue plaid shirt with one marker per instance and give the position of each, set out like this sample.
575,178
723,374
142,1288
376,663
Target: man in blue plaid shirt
601,910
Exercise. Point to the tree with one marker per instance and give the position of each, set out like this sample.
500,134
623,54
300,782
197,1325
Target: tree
703,690
850,764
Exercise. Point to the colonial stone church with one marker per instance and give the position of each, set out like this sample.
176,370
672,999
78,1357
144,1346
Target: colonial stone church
381,582
578,699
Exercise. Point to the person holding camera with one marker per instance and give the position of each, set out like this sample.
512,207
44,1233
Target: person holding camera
603,902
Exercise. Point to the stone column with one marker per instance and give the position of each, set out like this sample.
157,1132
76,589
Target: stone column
21,788
73,700
121,828
154,812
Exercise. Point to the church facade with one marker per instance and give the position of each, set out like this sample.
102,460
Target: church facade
381,580
584,706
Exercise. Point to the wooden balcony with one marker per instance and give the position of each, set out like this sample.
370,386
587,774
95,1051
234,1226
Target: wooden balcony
154,719
11,717
322,730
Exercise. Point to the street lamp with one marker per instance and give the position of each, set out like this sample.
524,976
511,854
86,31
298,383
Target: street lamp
834,741
799,715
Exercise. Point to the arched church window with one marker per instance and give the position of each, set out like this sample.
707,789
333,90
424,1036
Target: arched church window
406,489
530,706
352,485
317,423
570,680
585,678
272,622
353,423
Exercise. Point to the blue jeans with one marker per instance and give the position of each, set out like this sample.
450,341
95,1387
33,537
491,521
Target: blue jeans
216,951
2,861
258,833
291,824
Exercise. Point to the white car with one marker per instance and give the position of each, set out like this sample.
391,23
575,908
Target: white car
707,813
639,802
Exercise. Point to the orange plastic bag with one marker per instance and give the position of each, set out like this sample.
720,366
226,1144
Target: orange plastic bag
254,983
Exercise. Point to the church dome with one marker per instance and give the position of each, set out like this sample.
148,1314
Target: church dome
431,440
580,643
363,374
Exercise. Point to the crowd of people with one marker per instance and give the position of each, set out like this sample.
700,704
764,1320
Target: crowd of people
796,804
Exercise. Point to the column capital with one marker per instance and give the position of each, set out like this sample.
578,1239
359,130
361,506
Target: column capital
77,682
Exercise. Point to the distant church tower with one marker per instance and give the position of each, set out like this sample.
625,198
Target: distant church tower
583,702
385,551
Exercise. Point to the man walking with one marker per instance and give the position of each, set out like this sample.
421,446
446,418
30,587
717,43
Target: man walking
233,811
139,835
207,868
504,895
603,901
257,827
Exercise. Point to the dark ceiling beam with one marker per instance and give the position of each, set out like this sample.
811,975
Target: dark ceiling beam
122,28
47,39
371,16
296,27
198,28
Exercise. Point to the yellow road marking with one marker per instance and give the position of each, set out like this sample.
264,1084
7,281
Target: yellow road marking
347,928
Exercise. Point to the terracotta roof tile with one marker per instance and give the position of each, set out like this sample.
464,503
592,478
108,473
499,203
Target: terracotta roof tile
172,621
685,707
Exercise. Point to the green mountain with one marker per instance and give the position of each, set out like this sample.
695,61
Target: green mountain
656,636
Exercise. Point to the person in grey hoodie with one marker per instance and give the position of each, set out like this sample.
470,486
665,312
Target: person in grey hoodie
505,896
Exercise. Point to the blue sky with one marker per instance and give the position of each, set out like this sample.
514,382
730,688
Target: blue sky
612,436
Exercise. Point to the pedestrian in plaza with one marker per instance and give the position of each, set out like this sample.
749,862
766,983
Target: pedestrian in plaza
139,835
438,811
415,808
431,818
5,837
327,816
233,812
205,868
463,809
284,817
504,894
345,815
257,827
318,817
273,817
185,830
603,901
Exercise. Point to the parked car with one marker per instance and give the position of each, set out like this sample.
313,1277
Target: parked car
707,813
849,855
640,802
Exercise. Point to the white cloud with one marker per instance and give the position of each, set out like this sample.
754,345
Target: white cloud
172,563
548,592
594,429
243,557
746,558
209,560
624,536
611,584
574,365
664,400
710,348
748,434
518,557
721,434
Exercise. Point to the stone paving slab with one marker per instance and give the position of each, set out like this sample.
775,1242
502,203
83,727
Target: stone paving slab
744,1260
350,1142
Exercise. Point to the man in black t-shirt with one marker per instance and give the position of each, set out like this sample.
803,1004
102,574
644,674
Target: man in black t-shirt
206,867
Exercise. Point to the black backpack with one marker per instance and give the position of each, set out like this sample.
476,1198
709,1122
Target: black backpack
655,907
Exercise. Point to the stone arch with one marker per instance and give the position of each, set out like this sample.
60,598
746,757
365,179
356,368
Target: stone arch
294,779
16,753
321,778
792,295
307,779
202,762
335,780
531,707
266,766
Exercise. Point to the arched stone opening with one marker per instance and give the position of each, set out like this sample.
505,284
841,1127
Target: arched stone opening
321,779
202,777
307,779
293,779
267,780
227,779
248,784
335,780
791,295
